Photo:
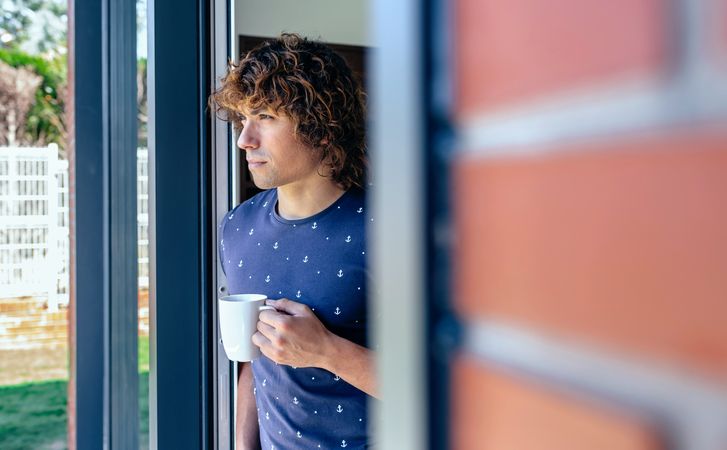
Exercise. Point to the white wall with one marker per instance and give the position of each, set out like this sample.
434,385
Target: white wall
334,21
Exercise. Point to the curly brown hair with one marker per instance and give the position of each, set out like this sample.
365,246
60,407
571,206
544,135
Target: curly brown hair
314,86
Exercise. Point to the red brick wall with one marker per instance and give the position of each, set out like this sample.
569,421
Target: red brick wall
606,235
497,411
517,50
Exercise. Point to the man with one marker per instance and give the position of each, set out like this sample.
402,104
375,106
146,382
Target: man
300,114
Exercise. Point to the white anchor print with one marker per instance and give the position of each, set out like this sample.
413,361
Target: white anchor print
339,409
299,435
297,294
343,443
267,415
337,378
265,204
239,264
231,216
275,245
237,229
315,225
305,259
360,210
267,279
348,238
265,381
295,400
338,311
340,273
252,230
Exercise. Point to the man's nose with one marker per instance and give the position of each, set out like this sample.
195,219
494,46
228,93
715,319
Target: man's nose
248,139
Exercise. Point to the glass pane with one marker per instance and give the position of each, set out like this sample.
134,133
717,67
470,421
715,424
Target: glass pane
34,225
142,173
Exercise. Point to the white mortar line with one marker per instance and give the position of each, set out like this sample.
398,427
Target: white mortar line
608,111
694,409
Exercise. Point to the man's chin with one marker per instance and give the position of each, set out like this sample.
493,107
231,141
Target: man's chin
262,184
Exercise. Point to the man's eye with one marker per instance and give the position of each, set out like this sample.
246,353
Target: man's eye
265,116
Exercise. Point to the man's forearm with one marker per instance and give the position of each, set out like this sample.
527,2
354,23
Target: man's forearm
246,425
353,363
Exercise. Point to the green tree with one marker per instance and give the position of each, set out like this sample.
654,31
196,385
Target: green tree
45,122
33,36
34,26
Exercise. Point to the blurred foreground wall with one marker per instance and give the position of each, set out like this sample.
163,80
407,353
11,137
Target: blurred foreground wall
590,212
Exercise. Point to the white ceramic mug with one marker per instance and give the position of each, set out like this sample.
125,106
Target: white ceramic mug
238,322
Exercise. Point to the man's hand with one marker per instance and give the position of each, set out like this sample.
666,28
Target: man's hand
292,335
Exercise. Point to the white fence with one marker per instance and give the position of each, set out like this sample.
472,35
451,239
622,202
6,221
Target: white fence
34,218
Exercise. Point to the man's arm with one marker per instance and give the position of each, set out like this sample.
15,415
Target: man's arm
247,433
293,335
353,363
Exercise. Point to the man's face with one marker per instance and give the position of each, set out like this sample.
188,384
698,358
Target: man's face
274,155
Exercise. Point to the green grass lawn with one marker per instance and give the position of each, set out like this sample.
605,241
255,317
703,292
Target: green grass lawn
33,415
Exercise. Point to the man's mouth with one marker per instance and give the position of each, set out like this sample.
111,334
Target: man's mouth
254,163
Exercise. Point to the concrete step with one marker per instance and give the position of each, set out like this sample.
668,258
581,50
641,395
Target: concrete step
22,304
10,343
49,343
34,320
32,329
33,333
27,323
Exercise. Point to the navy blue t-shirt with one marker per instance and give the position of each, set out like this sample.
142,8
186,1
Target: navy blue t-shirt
319,261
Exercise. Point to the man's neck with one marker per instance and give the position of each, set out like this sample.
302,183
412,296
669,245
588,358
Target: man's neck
299,202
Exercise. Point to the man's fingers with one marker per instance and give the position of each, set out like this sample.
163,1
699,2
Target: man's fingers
288,306
266,330
266,346
275,319
260,340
